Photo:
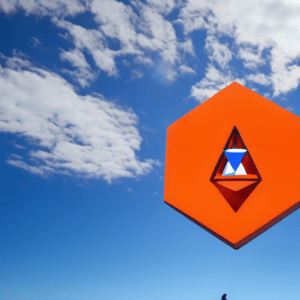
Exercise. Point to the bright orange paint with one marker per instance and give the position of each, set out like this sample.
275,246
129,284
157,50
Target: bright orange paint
236,209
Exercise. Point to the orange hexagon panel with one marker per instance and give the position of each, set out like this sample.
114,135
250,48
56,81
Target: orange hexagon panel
233,165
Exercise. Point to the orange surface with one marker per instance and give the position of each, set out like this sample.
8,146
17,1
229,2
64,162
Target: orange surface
195,144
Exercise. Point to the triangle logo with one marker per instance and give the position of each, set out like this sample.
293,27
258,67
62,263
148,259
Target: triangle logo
235,174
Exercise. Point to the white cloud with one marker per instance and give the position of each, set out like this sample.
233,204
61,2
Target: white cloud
51,8
139,35
165,72
163,7
260,78
36,42
82,135
262,33
264,25
39,8
16,156
285,75
75,57
213,82
19,146
192,15
136,74
251,57
187,46
116,20
218,52
94,42
83,75
143,60
186,70
163,33
18,61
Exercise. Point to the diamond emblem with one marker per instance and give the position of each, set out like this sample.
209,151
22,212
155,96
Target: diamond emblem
235,174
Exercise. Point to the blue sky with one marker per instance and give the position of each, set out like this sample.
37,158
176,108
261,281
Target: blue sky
88,89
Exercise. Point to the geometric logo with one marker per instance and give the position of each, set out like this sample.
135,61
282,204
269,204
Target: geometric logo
235,174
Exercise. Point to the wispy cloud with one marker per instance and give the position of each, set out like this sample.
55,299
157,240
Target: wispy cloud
136,74
44,8
84,75
36,42
260,78
251,57
214,81
253,26
260,33
94,42
83,135
139,35
186,70
218,52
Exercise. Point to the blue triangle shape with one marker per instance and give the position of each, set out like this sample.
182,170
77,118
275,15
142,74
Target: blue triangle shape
235,158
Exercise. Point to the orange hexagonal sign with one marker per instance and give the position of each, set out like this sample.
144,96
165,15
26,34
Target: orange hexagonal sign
233,165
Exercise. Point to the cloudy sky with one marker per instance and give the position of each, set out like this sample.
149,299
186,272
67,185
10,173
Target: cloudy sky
87,91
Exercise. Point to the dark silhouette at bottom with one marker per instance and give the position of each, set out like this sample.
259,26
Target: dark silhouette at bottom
224,297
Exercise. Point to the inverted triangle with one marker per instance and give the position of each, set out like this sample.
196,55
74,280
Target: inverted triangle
235,157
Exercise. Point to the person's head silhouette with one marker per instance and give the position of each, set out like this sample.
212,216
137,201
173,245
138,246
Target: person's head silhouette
224,297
